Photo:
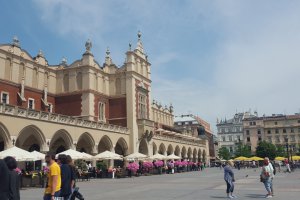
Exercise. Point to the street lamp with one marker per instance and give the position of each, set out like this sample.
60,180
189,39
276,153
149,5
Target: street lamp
286,139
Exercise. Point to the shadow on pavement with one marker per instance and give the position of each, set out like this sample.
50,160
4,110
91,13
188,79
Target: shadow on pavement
219,197
255,196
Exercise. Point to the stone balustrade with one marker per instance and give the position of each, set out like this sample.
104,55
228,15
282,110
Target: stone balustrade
181,141
58,118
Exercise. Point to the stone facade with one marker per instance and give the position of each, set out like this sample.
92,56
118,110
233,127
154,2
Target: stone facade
84,105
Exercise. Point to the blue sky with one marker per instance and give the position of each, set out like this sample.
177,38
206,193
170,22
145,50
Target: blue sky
210,58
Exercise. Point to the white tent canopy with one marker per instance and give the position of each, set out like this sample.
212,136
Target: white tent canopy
18,154
87,156
173,157
108,155
136,156
158,157
75,155
38,155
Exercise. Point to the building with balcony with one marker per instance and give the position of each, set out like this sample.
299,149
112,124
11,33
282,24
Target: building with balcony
230,132
275,129
86,106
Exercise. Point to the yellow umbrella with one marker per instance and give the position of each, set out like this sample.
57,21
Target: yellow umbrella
296,157
255,158
241,158
280,158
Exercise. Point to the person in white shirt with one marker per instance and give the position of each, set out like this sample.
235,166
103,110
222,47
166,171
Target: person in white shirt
267,175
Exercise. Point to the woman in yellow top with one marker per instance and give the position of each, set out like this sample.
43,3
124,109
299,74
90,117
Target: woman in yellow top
54,178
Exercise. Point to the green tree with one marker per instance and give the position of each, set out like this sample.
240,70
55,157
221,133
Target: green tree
224,153
266,149
280,151
242,150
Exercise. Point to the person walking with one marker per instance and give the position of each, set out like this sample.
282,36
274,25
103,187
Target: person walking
14,186
267,175
4,180
66,177
229,179
54,178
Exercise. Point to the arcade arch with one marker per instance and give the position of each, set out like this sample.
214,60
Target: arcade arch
154,148
183,152
61,141
105,144
30,139
162,149
170,150
85,143
4,137
177,151
121,147
143,147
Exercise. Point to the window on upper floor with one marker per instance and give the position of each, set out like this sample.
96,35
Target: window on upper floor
4,97
142,106
276,130
259,139
223,138
275,123
269,131
101,111
247,132
179,123
238,137
230,138
292,130
270,139
258,131
284,130
293,139
277,139
248,139
31,104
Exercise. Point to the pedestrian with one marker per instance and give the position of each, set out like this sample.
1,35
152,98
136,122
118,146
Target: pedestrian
14,186
267,175
66,177
229,179
73,170
4,180
53,178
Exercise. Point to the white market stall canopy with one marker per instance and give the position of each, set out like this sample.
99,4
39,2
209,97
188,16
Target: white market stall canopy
75,155
173,157
158,157
38,155
18,154
136,156
108,155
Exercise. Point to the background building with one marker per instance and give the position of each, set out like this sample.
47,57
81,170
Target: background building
230,132
85,105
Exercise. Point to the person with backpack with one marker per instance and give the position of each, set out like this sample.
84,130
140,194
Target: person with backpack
267,175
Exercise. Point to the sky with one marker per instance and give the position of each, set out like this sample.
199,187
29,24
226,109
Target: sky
209,58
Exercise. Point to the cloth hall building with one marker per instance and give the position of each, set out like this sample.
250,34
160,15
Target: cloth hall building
86,106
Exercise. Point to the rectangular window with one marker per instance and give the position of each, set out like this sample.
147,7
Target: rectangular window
293,139
223,138
258,131
179,123
270,139
230,149
31,103
259,138
276,130
292,130
269,131
230,138
277,139
247,132
142,109
238,138
284,130
4,98
101,111
275,123
248,139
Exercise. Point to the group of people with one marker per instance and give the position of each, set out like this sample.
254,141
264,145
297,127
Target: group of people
9,179
266,177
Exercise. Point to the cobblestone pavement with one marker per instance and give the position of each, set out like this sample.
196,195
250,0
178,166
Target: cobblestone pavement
205,185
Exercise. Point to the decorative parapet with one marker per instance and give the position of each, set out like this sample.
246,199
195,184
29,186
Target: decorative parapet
61,119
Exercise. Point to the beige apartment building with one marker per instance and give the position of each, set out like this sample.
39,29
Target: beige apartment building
276,129
86,106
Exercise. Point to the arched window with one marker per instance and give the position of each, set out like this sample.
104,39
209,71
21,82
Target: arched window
101,111
79,80
142,106
66,83
7,73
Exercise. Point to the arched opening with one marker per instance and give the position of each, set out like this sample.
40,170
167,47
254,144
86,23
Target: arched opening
30,139
4,137
121,148
194,155
170,150
204,156
183,153
199,155
143,147
154,148
61,141
85,143
189,155
105,144
177,151
162,149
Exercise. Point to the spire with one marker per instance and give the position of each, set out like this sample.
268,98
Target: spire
16,41
40,54
64,61
139,43
88,47
108,60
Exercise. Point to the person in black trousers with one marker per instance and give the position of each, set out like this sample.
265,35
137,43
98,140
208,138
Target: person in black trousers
66,177
4,180
14,182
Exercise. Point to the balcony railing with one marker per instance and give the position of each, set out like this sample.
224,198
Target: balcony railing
57,118
181,140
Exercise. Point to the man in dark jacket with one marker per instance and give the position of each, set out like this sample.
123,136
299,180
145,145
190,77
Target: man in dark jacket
14,186
4,180
66,177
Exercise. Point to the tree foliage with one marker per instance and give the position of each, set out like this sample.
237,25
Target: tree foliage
224,153
266,149
280,151
242,150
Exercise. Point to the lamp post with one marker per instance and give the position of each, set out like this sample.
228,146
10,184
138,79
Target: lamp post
286,139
